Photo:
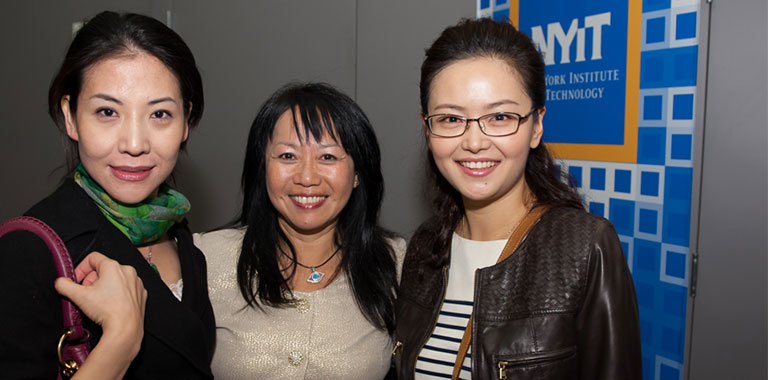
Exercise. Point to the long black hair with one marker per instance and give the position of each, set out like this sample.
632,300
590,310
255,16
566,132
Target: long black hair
108,35
485,38
366,256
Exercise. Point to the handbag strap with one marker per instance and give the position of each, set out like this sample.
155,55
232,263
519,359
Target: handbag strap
72,320
520,232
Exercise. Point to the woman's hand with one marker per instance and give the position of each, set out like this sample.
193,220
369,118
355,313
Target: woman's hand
113,296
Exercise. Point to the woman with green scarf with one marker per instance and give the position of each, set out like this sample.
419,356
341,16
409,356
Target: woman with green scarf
126,96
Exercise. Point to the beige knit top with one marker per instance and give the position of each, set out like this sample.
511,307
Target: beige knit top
324,337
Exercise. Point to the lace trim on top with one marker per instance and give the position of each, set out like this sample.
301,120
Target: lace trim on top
177,288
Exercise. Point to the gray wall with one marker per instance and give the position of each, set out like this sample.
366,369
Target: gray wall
730,312
245,50
392,36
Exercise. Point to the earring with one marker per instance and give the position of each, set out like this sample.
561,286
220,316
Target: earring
354,184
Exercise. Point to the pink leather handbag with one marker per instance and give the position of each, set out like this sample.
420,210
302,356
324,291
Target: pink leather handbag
73,345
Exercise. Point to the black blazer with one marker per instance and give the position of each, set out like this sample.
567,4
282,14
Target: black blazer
179,337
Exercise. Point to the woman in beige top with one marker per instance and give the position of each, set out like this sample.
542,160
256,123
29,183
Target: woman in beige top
303,286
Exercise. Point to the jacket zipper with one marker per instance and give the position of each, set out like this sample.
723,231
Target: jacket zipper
502,365
503,370
437,313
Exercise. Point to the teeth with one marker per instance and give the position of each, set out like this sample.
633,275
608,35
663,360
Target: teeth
477,165
307,200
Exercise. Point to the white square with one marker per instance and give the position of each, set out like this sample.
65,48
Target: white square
692,41
664,93
659,169
669,363
663,269
669,161
671,92
664,13
656,235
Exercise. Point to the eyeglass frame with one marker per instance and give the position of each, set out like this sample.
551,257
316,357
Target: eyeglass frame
520,120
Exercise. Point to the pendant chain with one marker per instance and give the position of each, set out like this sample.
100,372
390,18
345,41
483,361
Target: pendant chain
149,259
315,276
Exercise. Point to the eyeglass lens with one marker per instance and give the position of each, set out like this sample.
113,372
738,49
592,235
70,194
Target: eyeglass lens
495,124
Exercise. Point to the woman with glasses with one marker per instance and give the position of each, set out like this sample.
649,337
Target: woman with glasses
560,306
304,286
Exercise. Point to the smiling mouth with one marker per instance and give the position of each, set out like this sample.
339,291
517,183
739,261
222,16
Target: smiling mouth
308,200
478,164
131,173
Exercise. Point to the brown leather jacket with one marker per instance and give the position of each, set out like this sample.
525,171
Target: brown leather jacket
562,306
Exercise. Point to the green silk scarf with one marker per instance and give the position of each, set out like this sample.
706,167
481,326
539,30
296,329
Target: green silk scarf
144,222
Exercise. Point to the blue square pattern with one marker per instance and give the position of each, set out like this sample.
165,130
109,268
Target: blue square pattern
651,145
645,295
501,15
655,30
678,184
648,221
647,256
622,181
681,147
652,107
649,184
664,68
647,361
668,373
622,215
682,107
499,2
676,220
575,173
675,265
597,208
655,5
675,301
685,67
676,228
686,26
672,344
597,179
652,69
484,4
646,332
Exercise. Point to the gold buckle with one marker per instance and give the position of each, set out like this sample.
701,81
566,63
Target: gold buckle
68,367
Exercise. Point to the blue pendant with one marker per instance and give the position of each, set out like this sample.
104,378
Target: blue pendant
315,277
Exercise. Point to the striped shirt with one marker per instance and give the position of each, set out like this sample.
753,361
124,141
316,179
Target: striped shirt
436,359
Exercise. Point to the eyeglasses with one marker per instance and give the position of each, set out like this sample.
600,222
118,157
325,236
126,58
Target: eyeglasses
495,124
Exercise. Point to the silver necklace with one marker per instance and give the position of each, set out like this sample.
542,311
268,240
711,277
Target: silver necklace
315,276
149,259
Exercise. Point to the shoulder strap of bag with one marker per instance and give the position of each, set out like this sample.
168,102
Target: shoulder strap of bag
73,346
512,243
